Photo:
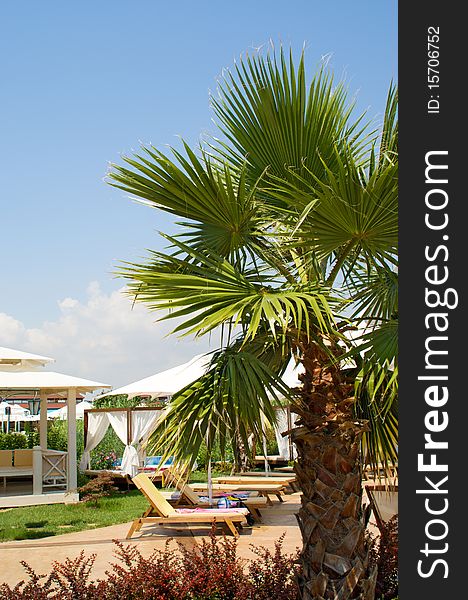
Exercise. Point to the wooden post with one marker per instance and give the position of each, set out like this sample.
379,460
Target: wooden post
71,422
37,470
129,426
85,428
43,421
290,442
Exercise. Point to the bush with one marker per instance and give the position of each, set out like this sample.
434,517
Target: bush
122,401
384,555
57,436
103,460
33,438
211,571
12,441
271,443
216,455
96,488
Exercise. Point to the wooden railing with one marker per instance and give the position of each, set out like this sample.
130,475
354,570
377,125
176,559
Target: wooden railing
49,469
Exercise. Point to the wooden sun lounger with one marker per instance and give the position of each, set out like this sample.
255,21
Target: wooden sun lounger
262,478
189,497
160,512
264,489
284,469
273,460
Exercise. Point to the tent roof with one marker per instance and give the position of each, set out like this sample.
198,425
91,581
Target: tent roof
62,413
16,358
290,376
16,409
167,382
48,381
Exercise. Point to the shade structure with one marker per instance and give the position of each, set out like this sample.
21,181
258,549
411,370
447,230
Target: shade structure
15,360
133,427
62,413
19,374
17,413
291,374
48,382
166,383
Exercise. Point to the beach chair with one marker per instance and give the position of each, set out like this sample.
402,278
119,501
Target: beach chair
188,496
383,501
264,489
286,480
160,512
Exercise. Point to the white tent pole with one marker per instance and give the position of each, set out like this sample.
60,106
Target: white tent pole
265,454
264,440
43,421
71,423
210,483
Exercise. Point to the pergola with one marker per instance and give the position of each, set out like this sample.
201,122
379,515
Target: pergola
20,373
133,426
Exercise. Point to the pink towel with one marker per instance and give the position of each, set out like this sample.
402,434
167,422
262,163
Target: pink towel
212,511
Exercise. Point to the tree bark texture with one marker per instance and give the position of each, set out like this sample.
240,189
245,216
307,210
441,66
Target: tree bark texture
334,557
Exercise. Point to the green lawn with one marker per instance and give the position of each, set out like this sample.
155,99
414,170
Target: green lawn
32,522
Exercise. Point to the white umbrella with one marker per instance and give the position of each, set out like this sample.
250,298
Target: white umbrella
62,413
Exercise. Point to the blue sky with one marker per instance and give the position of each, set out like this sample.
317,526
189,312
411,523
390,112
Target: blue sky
83,83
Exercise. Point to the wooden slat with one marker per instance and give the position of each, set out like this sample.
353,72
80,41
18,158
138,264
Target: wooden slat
169,515
157,501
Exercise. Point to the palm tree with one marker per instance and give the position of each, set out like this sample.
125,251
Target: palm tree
288,239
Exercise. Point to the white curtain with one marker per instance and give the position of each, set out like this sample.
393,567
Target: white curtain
282,425
142,425
118,422
97,427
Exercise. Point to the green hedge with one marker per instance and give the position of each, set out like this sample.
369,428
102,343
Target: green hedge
56,438
12,441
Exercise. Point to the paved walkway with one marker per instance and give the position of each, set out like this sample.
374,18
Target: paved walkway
40,554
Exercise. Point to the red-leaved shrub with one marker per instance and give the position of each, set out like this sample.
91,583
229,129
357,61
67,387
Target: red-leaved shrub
384,554
210,571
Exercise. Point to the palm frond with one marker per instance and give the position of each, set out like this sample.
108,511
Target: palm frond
387,150
374,293
228,400
222,209
213,292
272,119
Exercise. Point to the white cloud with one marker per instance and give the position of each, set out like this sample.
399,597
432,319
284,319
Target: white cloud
105,338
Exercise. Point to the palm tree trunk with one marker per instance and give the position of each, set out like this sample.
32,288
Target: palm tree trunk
241,459
335,562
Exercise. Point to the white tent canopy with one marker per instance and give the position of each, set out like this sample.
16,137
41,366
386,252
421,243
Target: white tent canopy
62,413
17,412
291,374
166,383
49,382
15,360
